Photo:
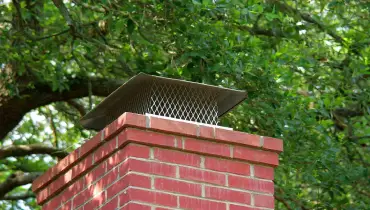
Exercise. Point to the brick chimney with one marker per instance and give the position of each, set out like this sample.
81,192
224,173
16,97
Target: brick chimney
153,162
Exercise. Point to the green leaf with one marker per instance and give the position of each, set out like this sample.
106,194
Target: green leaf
130,26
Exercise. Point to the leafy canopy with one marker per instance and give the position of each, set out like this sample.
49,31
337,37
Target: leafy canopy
305,65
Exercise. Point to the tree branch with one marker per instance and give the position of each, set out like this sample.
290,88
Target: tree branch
258,31
52,35
79,107
15,180
367,194
22,196
35,10
348,112
359,137
22,150
289,198
54,129
280,199
13,110
64,12
18,19
91,7
306,17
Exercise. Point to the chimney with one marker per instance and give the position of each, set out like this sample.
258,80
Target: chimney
159,147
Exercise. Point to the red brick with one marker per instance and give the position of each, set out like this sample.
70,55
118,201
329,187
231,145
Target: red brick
237,207
264,172
145,137
110,131
173,126
160,208
177,157
128,162
82,197
125,120
42,195
147,168
195,203
124,168
96,201
41,181
72,190
130,150
251,184
206,132
60,182
178,142
273,144
264,201
257,156
105,150
129,119
110,205
178,186
66,206
129,180
237,137
139,181
96,173
196,145
88,194
52,204
69,175
148,197
63,164
107,179
135,206
228,195
202,176
90,144
230,166
59,168
82,166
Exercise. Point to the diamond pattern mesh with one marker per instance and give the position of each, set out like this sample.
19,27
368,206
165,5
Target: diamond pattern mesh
183,102
171,100
137,104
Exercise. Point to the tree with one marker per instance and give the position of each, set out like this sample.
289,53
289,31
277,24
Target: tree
304,64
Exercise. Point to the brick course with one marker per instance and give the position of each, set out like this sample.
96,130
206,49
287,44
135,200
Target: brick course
139,162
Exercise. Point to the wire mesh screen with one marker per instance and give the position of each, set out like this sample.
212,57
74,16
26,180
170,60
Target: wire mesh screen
171,100
183,102
138,103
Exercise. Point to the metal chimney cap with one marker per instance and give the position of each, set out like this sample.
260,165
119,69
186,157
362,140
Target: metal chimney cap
147,94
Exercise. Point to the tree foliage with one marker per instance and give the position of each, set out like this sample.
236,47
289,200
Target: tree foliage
305,65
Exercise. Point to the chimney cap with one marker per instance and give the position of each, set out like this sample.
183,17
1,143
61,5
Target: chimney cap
139,90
